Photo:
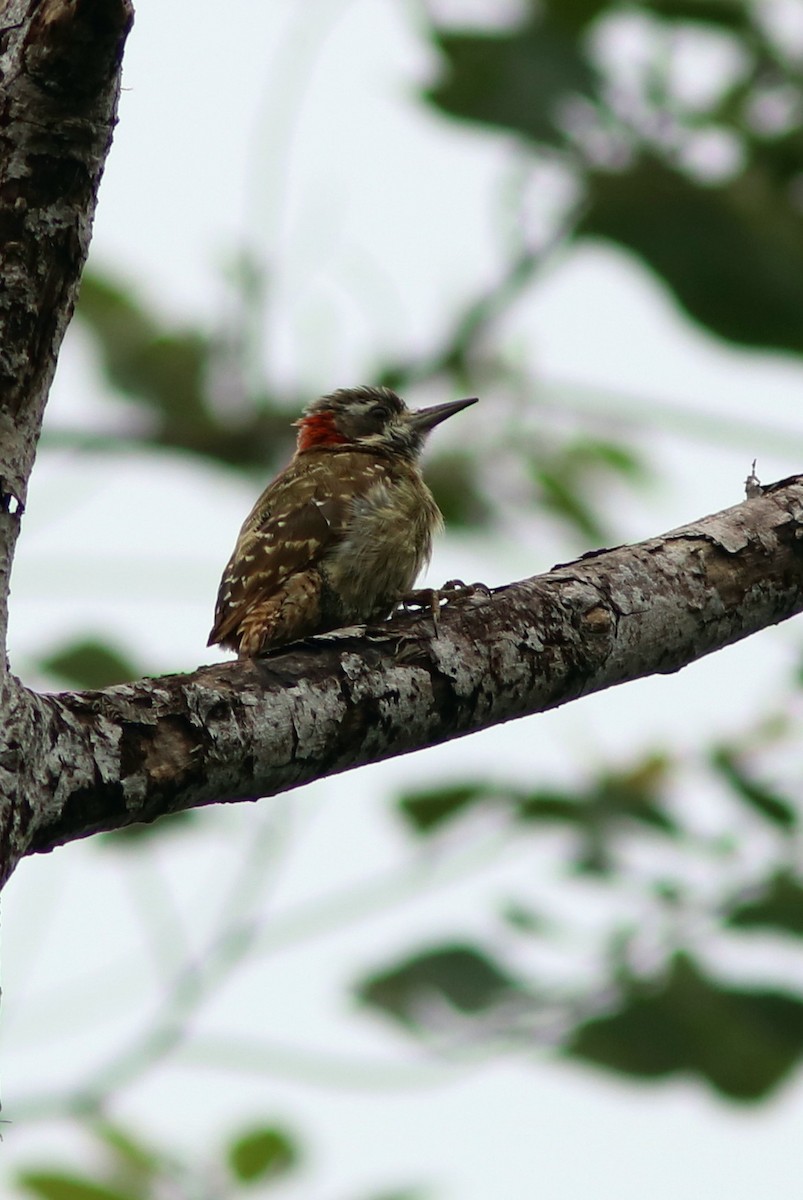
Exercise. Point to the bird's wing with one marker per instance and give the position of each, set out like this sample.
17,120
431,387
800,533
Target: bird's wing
296,521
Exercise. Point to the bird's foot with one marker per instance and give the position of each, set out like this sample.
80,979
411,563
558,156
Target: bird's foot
433,598
420,600
454,589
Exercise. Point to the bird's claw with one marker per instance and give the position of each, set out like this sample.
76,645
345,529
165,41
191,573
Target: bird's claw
417,600
433,598
453,589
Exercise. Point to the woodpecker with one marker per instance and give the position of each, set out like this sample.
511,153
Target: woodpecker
341,534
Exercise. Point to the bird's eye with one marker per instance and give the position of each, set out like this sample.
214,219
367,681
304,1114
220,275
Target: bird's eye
379,412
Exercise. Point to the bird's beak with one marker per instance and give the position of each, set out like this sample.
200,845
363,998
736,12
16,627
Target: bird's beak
424,419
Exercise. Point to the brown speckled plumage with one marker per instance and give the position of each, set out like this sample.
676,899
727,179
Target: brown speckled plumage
341,533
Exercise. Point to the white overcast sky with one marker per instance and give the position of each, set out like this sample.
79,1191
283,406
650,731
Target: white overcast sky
293,130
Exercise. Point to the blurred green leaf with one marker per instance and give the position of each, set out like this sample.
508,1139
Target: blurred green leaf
571,478
781,157
428,810
575,15
121,324
167,371
614,798
89,663
669,891
546,804
636,794
461,974
632,794
134,1161
732,14
522,918
454,480
563,498
139,356
136,837
780,907
726,762
263,1153
514,79
586,453
594,856
742,1042
732,254
53,1185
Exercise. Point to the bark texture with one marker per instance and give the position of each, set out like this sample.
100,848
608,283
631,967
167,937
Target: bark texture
59,85
78,763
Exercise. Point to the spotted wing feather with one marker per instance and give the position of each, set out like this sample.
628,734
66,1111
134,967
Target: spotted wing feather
299,519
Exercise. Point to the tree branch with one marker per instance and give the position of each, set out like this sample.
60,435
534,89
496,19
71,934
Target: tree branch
81,762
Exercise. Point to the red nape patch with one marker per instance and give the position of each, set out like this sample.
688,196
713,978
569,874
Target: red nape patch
319,430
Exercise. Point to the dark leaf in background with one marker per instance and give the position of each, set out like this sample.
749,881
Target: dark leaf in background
577,810
742,1042
453,479
604,808
781,158
89,663
779,909
732,14
573,15
461,974
732,254
263,1154
592,454
546,804
633,794
514,79
120,323
428,810
167,370
135,1164
572,480
53,1185
559,497
523,919
726,762
138,837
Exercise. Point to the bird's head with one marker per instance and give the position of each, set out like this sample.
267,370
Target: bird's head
374,417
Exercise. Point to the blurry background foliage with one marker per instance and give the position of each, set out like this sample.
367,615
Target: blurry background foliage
704,184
